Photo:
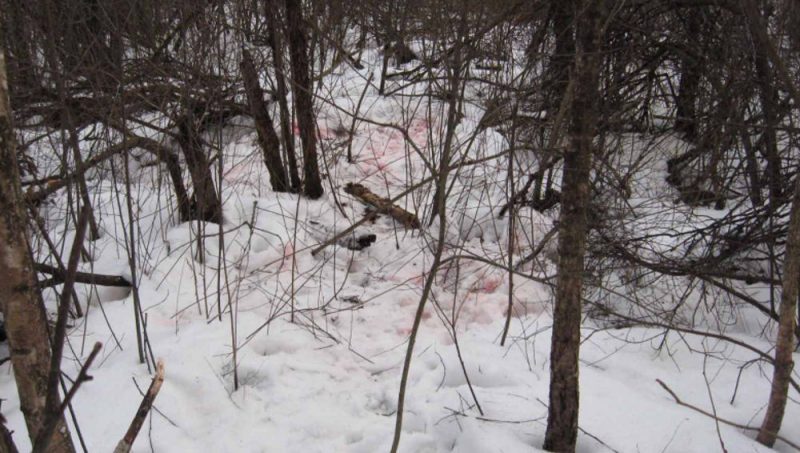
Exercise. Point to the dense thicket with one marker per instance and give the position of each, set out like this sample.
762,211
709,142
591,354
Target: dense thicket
707,90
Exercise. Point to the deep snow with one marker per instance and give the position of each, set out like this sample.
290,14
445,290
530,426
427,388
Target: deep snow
328,381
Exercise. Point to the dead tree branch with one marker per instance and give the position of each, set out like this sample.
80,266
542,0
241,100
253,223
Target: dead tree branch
59,276
382,205
124,445
721,420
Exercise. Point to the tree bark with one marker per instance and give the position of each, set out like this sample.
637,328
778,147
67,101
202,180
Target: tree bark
173,165
769,97
562,418
25,319
557,78
172,162
60,275
785,342
789,292
208,206
382,205
303,99
267,137
21,67
276,44
688,90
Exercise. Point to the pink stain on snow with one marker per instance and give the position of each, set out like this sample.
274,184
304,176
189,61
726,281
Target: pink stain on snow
237,173
288,254
405,331
491,284
388,146
486,283
417,280
323,132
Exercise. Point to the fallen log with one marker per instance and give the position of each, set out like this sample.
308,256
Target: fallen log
382,205
59,276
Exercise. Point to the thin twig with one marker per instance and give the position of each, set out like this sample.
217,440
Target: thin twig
46,433
727,422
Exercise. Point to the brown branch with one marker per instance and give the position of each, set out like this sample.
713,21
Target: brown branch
124,445
59,276
382,205
54,185
643,322
7,444
759,30
50,423
402,194
542,243
519,197
60,330
553,140
53,408
714,417
681,270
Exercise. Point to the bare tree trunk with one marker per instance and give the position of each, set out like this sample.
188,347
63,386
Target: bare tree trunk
21,64
303,99
785,341
769,105
562,418
791,268
276,44
176,176
753,171
790,286
557,77
172,162
207,203
25,320
267,137
686,102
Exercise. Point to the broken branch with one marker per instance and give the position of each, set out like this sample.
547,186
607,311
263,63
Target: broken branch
124,445
721,420
382,205
60,275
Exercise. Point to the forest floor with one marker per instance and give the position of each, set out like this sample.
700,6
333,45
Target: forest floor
320,339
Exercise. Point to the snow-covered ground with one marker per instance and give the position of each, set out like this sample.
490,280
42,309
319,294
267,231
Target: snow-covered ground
320,340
